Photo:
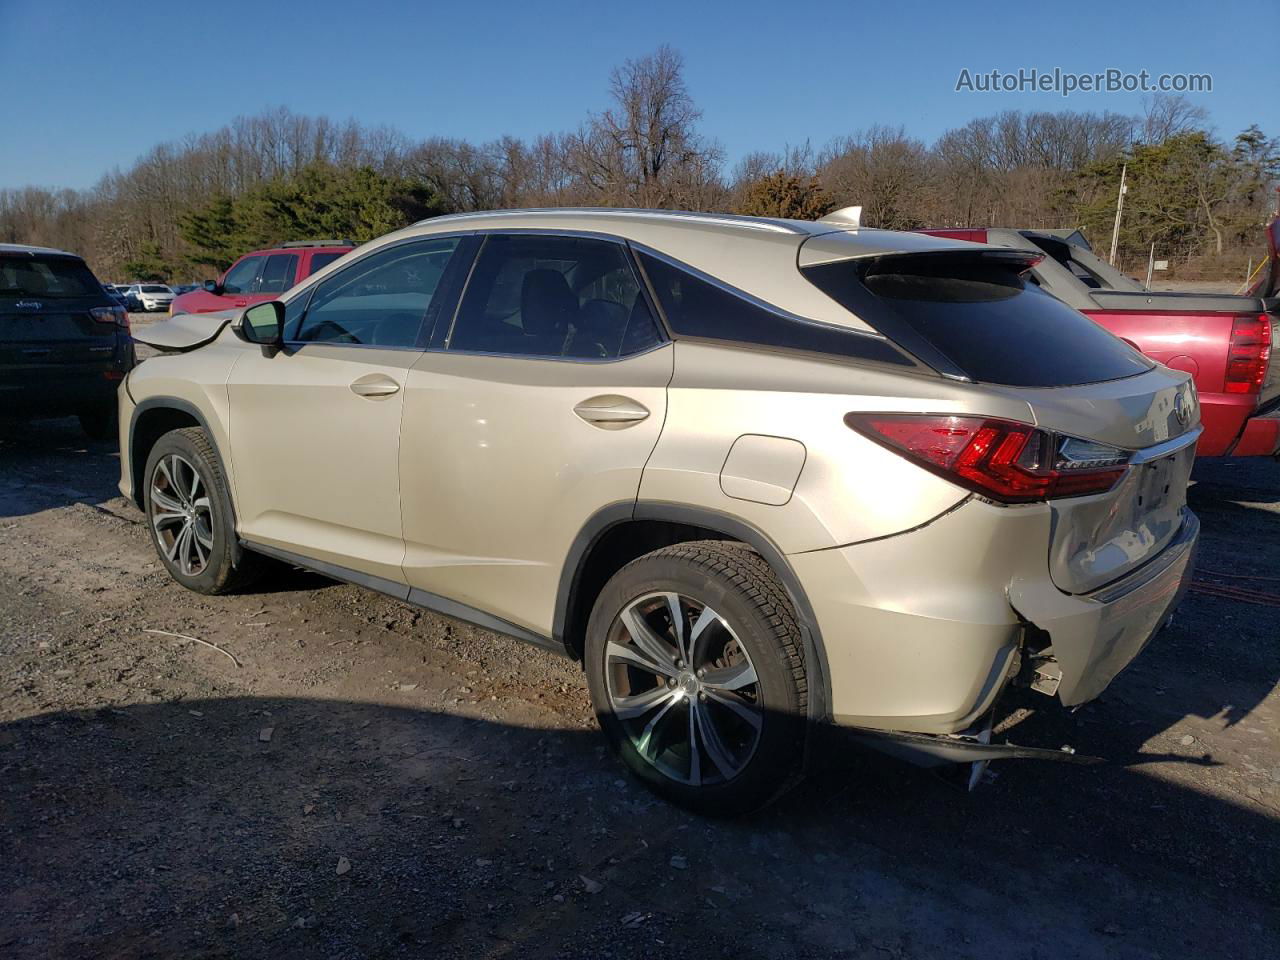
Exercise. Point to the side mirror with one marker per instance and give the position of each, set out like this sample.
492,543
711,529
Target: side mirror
212,286
264,323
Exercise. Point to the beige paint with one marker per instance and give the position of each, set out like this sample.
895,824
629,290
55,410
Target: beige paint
316,462
472,478
502,433
762,469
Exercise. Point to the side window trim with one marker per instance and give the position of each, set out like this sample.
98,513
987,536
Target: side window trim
440,344
291,340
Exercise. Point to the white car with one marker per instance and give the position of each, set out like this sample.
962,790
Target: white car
152,296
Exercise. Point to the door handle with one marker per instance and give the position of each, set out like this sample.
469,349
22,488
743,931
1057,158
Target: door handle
374,386
611,411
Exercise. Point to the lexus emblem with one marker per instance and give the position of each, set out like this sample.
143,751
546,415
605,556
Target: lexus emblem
1182,409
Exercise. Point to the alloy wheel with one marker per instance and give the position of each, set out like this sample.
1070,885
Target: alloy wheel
684,688
181,514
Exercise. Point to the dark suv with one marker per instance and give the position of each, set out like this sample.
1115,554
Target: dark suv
64,341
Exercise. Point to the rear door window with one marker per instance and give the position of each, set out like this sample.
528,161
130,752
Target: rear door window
49,277
277,273
554,296
980,316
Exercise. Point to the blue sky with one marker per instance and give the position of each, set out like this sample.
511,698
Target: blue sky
92,85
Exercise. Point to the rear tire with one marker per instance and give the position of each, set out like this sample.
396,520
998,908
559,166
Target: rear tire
189,515
710,715
101,424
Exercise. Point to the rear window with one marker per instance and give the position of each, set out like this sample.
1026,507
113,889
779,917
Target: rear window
981,318
46,276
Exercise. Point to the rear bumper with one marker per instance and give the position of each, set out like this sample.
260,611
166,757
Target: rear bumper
1234,427
1260,437
1094,636
924,629
58,391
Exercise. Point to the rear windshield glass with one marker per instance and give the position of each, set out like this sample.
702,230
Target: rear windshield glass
983,318
48,277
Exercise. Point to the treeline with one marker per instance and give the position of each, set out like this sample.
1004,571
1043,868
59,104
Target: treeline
187,209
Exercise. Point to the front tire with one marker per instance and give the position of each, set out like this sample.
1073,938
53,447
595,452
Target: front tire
695,666
189,515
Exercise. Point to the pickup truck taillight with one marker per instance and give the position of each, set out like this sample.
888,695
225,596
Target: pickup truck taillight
1005,460
1248,354
117,315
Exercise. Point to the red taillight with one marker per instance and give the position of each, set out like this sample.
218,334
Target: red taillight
1248,354
1005,460
117,315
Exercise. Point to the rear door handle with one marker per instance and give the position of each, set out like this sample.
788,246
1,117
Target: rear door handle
374,386
611,411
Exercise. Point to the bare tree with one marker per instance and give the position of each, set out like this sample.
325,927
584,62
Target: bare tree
646,151
1166,115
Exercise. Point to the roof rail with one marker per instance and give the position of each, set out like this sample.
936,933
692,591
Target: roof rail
724,219
316,243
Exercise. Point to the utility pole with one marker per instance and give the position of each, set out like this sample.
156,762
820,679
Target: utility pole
1115,232
1151,262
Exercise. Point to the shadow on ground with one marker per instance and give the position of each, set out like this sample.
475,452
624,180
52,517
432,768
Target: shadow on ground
50,463
291,827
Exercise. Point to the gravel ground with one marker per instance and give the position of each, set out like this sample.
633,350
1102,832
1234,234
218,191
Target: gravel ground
367,780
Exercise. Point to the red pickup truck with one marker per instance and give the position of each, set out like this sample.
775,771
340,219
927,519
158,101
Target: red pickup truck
261,275
1229,344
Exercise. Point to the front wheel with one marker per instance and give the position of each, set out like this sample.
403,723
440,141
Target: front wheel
696,671
188,509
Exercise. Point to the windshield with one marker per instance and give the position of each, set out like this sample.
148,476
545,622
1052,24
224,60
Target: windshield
51,277
155,288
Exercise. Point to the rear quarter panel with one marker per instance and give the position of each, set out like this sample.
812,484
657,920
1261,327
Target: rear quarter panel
849,488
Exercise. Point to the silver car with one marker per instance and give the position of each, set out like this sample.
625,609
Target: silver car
757,475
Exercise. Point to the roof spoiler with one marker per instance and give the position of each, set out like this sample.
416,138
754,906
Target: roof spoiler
942,261
845,217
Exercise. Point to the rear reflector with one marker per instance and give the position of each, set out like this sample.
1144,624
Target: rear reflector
1002,459
1248,354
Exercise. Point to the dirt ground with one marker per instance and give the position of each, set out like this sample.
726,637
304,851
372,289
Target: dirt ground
365,780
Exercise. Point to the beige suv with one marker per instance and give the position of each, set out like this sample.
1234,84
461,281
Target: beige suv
756,475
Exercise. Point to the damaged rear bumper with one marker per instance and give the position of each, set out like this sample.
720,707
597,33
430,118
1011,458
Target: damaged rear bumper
1092,637
921,632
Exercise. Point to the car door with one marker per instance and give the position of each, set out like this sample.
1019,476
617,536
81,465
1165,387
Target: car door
536,408
315,427
238,284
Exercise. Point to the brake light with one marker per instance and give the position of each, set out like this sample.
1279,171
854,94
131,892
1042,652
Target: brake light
117,315
1248,354
1002,459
